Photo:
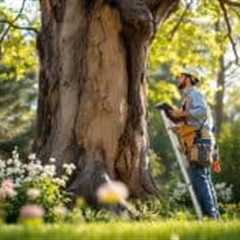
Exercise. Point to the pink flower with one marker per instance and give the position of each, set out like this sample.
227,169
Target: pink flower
31,211
7,189
7,184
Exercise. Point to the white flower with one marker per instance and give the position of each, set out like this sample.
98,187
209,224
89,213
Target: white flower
52,160
34,169
18,182
28,179
16,163
33,193
220,185
64,178
60,210
61,182
9,161
15,154
179,191
69,168
32,156
224,192
49,171
2,164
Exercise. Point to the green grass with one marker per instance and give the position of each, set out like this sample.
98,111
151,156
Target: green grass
172,230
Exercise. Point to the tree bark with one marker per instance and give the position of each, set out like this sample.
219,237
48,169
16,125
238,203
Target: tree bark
92,90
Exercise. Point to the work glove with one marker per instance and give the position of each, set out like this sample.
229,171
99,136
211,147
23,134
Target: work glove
175,115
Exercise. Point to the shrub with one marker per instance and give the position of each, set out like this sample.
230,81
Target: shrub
229,143
34,183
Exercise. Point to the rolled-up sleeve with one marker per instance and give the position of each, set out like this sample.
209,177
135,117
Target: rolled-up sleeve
198,109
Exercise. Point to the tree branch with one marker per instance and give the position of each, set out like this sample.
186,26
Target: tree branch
136,15
176,27
233,73
32,29
229,29
13,22
161,8
232,3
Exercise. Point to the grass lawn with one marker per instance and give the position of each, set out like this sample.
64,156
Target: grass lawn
172,230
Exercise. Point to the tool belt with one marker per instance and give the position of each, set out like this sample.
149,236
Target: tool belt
196,144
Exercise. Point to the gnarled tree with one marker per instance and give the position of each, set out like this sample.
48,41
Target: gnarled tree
92,89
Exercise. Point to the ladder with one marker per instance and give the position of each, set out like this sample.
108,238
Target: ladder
182,161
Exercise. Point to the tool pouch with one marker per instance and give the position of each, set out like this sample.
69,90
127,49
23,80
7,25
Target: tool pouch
201,152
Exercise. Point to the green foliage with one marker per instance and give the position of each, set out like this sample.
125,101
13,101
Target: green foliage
229,143
51,196
230,211
18,86
162,209
13,206
161,147
232,104
27,176
195,43
162,91
157,167
199,42
162,155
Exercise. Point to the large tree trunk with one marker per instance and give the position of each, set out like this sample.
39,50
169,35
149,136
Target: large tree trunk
92,89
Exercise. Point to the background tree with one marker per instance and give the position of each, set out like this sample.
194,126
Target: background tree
18,85
196,43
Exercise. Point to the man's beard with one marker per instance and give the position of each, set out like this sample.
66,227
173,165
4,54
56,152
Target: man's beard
182,85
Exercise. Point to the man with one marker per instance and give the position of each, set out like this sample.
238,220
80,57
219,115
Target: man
194,113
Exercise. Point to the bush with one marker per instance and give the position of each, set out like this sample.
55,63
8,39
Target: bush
178,197
230,211
31,183
229,143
